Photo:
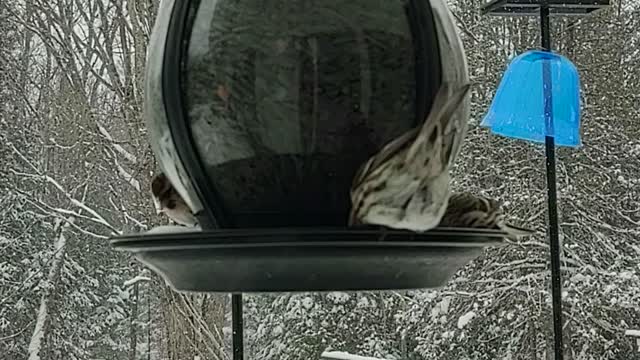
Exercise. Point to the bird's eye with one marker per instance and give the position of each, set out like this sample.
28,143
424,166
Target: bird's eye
171,204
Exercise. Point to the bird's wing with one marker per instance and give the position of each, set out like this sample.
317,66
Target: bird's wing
431,141
455,133
466,201
382,156
465,209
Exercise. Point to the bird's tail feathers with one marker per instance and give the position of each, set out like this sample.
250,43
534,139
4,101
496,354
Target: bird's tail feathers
517,231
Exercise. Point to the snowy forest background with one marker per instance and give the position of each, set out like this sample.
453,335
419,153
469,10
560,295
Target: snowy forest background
76,167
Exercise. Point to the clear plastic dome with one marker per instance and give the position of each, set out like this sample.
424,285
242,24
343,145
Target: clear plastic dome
284,100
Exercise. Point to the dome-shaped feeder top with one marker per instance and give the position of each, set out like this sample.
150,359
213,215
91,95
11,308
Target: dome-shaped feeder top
272,106
538,96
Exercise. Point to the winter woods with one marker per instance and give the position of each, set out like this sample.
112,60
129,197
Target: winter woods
76,168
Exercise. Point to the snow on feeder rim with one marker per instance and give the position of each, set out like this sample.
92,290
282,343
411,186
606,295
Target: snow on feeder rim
260,115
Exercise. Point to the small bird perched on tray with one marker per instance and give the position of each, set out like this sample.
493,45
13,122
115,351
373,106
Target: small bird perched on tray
168,201
406,184
466,210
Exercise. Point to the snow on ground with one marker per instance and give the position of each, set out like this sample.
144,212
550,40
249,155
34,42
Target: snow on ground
340,355
465,319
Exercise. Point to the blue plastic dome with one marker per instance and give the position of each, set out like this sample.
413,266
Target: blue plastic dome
518,108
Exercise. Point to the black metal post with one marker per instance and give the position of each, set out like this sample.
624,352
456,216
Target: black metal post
550,152
236,323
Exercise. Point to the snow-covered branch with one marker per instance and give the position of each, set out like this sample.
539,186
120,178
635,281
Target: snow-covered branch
136,280
127,176
121,150
634,333
35,345
96,217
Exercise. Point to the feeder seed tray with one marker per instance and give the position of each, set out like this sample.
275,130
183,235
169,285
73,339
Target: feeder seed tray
291,260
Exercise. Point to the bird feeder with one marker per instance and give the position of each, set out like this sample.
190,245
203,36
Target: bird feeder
550,112
260,113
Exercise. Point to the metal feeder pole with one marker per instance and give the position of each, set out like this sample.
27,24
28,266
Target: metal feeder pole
554,241
236,323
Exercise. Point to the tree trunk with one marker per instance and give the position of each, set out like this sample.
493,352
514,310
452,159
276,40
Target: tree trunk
39,332
133,333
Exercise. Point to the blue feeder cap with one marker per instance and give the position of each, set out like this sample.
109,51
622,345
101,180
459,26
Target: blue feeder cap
518,108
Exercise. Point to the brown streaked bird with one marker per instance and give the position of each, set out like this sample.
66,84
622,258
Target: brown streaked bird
466,210
406,184
168,201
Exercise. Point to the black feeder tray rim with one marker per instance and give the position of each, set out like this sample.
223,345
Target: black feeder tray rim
308,238
300,260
